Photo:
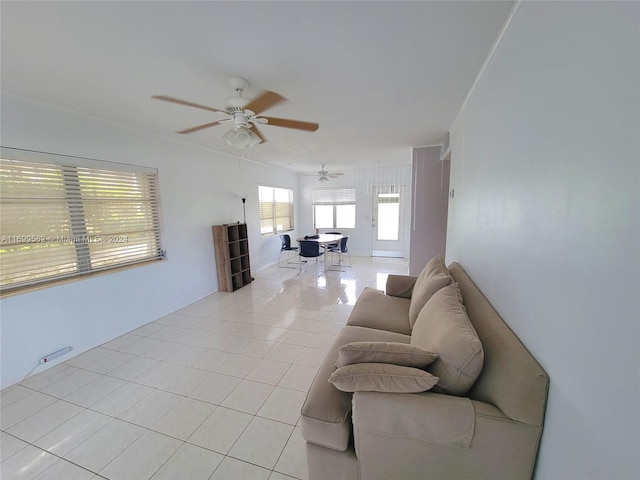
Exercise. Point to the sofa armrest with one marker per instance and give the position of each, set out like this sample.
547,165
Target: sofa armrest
400,285
428,436
431,417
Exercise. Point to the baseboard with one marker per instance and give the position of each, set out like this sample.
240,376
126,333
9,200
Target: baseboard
386,253
269,265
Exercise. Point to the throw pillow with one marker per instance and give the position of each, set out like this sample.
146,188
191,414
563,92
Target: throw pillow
443,326
396,353
433,277
382,377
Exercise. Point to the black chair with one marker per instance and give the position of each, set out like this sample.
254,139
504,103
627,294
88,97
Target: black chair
332,245
341,250
309,249
286,247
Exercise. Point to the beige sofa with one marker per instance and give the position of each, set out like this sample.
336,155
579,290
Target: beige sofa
492,431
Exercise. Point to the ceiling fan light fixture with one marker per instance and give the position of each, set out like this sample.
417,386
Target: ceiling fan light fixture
241,137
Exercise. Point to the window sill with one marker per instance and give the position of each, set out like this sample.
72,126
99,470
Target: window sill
272,234
62,281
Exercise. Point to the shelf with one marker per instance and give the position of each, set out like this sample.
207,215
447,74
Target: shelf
232,256
234,250
244,247
236,266
233,233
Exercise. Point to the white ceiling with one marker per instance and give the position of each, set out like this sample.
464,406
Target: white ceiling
379,77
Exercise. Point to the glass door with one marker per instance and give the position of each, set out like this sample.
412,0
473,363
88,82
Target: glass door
388,221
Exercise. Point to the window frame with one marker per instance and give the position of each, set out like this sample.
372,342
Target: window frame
107,217
338,196
275,210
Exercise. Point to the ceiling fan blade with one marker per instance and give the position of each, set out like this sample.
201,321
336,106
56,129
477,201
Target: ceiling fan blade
258,133
297,124
266,100
201,127
184,102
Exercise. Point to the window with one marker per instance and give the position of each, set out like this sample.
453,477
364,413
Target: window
276,210
334,207
64,217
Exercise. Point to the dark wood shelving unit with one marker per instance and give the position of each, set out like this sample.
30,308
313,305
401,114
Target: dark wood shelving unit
232,256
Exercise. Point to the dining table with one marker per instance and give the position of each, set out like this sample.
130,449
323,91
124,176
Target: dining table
323,240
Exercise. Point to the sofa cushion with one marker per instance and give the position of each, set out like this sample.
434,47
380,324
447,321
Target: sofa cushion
433,277
444,327
376,310
385,352
326,412
382,377
400,285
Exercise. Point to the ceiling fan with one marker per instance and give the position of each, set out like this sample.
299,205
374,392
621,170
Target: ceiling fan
324,175
244,113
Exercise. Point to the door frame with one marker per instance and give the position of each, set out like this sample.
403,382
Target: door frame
395,248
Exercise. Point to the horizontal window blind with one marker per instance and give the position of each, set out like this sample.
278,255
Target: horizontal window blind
341,201
266,201
388,198
276,209
334,196
59,221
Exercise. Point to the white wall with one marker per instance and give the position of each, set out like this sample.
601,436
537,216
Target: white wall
546,219
363,180
198,188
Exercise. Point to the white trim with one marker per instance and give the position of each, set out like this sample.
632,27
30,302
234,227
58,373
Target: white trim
439,144
492,52
262,269
385,253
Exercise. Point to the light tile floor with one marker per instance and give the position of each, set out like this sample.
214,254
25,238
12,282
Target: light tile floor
211,391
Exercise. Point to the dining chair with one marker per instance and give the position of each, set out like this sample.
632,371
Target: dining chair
309,249
341,250
333,245
286,247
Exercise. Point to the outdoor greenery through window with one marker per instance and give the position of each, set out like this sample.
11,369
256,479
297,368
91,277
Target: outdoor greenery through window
64,217
276,209
334,207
